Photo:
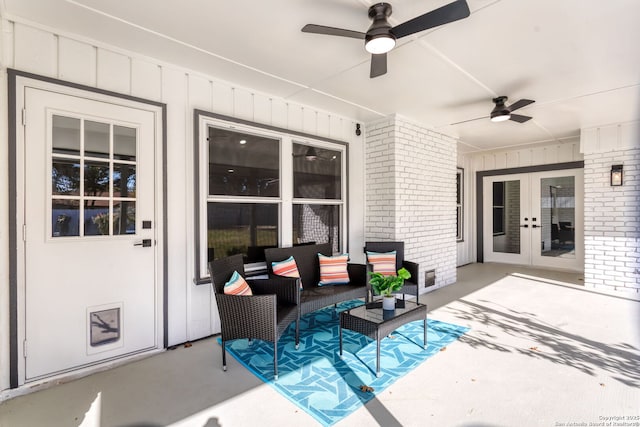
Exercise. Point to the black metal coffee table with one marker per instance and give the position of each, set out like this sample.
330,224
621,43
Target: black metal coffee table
377,323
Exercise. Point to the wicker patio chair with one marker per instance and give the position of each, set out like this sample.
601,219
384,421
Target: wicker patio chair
411,286
265,315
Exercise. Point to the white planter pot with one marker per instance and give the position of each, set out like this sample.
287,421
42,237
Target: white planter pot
389,303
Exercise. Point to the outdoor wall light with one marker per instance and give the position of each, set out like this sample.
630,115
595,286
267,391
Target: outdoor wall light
616,175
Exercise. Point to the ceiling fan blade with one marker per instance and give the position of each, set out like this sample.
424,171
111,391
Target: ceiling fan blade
443,15
519,104
378,65
331,31
469,120
520,119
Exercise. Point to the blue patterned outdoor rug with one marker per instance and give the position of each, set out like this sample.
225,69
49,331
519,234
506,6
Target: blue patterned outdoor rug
315,378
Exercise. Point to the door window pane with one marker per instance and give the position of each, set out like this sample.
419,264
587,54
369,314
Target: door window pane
243,165
66,135
241,228
557,204
96,179
316,173
96,218
124,217
124,143
96,139
506,217
65,218
317,224
124,180
65,177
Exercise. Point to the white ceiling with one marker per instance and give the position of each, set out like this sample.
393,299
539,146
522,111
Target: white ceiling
579,59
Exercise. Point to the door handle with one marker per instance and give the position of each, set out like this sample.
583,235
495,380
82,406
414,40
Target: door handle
536,226
145,243
525,226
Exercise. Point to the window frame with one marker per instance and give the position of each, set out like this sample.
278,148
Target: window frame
202,121
110,161
460,205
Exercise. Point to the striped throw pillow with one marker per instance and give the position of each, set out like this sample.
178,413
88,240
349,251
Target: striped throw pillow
333,270
383,262
237,286
286,268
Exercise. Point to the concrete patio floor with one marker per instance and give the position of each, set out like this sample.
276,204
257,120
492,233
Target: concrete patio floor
542,351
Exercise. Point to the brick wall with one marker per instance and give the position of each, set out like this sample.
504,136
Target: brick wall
611,222
411,193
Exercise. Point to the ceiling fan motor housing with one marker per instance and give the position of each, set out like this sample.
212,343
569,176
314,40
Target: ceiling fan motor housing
500,109
380,27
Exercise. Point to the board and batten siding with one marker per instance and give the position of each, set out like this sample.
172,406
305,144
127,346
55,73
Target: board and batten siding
192,312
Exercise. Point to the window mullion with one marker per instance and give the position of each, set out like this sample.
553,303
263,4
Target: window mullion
286,190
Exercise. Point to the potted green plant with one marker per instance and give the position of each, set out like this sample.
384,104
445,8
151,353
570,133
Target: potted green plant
387,285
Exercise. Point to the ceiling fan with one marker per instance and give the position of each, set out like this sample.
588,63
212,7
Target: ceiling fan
380,38
501,112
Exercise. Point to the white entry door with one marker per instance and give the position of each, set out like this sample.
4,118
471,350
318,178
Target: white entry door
91,286
534,219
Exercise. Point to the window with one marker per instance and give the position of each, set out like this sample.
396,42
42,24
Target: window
498,207
93,178
317,192
459,204
264,187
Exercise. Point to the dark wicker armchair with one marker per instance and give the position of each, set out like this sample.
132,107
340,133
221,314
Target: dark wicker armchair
411,286
265,315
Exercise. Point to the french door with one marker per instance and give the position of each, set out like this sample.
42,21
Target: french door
534,219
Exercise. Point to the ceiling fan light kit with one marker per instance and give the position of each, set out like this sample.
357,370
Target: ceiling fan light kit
381,38
500,117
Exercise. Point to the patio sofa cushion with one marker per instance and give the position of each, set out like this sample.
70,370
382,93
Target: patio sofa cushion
333,270
312,296
383,262
237,285
286,268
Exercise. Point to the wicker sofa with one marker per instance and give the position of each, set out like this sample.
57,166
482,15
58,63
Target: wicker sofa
312,296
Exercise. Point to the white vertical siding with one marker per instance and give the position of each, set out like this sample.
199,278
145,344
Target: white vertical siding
191,308
113,71
35,51
77,62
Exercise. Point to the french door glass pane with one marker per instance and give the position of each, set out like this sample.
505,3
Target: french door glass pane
557,204
317,224
506,217
243,165
241,228
316,173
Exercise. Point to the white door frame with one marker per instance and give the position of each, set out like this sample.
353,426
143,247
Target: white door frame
18,81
